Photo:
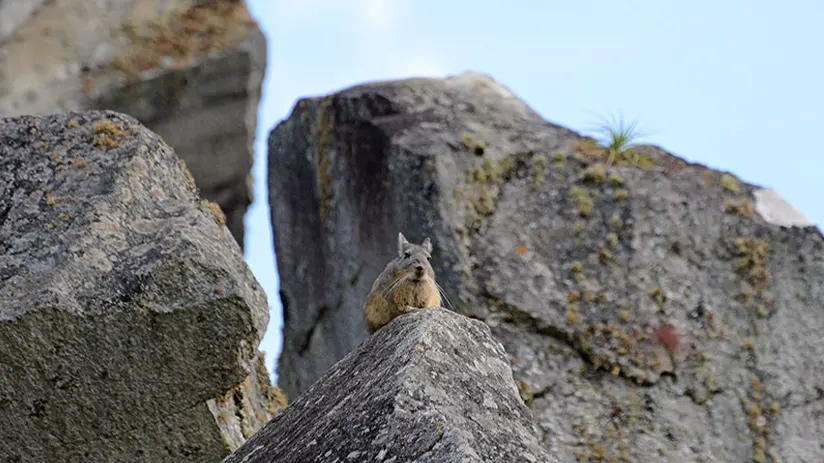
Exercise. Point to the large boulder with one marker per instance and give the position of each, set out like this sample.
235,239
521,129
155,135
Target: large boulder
431,386
654,309
129,321
191,71
13,13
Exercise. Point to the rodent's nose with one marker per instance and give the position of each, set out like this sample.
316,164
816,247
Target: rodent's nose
419,269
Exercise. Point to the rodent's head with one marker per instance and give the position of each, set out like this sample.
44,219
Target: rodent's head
413,259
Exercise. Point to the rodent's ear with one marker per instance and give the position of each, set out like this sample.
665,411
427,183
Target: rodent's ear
427,244
401,242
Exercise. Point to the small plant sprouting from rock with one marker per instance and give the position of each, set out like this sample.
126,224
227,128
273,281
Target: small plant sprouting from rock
614,143
559,158
730,183
539,164
615,179
619,137
752,258
659,296
490,171
107,133
474,146
596,173
583,200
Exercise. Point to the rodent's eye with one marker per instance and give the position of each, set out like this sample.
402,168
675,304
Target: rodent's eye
428,257
407,255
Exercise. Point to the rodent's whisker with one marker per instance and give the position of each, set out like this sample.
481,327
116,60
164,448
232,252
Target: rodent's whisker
394,285
443,294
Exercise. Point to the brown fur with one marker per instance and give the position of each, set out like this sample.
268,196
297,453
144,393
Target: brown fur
407,283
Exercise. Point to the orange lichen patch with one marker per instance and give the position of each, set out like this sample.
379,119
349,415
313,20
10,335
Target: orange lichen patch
184,34
667,336
522,250
216,211
588,146
278,398
743,207
573,314
707,178
55,158
525,391
50,199
189,176
275,397
107,133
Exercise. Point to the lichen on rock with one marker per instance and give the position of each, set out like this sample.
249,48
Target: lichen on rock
124,306
638,295
431,386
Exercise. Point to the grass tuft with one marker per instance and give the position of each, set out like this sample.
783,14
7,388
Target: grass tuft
618,137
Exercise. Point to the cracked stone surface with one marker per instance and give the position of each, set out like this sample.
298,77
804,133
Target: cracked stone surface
653,309
191,71
431,386
128,317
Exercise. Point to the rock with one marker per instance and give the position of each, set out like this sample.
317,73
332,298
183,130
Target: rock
13,13
774,209
248,406
651,309
127,311
431,386
189,71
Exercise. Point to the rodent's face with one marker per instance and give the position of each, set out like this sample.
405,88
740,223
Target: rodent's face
415,259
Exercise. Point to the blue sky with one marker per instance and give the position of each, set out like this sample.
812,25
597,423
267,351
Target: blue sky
735,85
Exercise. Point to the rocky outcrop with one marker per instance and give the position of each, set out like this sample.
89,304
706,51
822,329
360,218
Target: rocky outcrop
653,309
431,386
129,321
15,12
191,71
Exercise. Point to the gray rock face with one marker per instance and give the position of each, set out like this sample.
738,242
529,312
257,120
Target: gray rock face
126,308
15,12
651,310
431,386
189,71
